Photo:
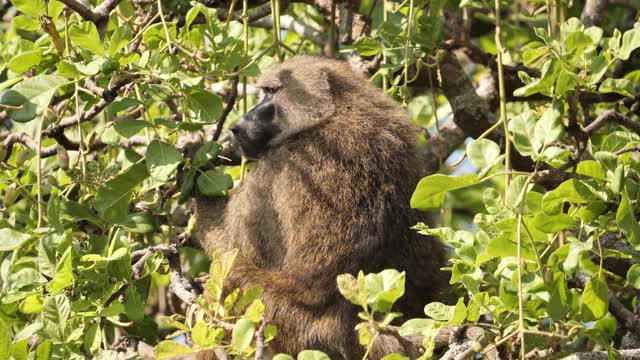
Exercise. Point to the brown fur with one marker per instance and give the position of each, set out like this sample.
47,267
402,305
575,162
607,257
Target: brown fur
329,199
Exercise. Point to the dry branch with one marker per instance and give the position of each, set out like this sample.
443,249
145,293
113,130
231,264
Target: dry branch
231,100
260,346
94,111
609,116
98,16
633,354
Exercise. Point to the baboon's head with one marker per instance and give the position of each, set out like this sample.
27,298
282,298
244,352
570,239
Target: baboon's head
296,96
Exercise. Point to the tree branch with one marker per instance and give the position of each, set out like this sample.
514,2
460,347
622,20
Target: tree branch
92,112
259,355
612,115
633,354
99,16
231,100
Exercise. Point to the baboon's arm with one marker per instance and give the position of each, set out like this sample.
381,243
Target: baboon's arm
282,287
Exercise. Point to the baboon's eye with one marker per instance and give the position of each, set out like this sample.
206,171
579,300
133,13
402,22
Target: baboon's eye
270,90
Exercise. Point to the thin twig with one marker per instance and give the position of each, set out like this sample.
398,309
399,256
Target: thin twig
99,16
259,355
231,100
89,114
612,115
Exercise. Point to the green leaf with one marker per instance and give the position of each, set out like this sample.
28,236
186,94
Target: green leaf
33,95
27,331
57,309
595,300
32,304
630,42
439,311
459,313
282,357
162,160
633,276
168,64
483,153
54,9
119,39
44,350
68,70
203,336
591,168
549,128
621,86
26,23
254,311
168,349
5,341
566,82
573,191
85,35
626,220
417,327
515,192
30,7
129,127
187,186
93,338
395,357
532,54
550,71
214,183
11,239
25,61
312,355
552,223
242,335
366,46
521,128
134,304
501,246
384,288
558,299
112,200
140,223
155,35
429,193
64,274
349,288
205,153
204,106
603,331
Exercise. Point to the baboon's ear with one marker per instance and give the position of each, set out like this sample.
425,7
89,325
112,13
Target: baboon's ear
323,87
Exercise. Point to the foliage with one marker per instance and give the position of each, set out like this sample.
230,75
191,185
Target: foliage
109,125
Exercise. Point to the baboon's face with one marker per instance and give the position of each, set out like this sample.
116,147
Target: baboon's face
295,97
255,130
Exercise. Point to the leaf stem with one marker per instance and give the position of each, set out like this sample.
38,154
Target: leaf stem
39,173
80,138
521,328
406,54
385,17
275,12
164,25
245,49
503,104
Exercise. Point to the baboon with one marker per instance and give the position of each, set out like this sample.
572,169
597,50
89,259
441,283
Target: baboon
329,194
